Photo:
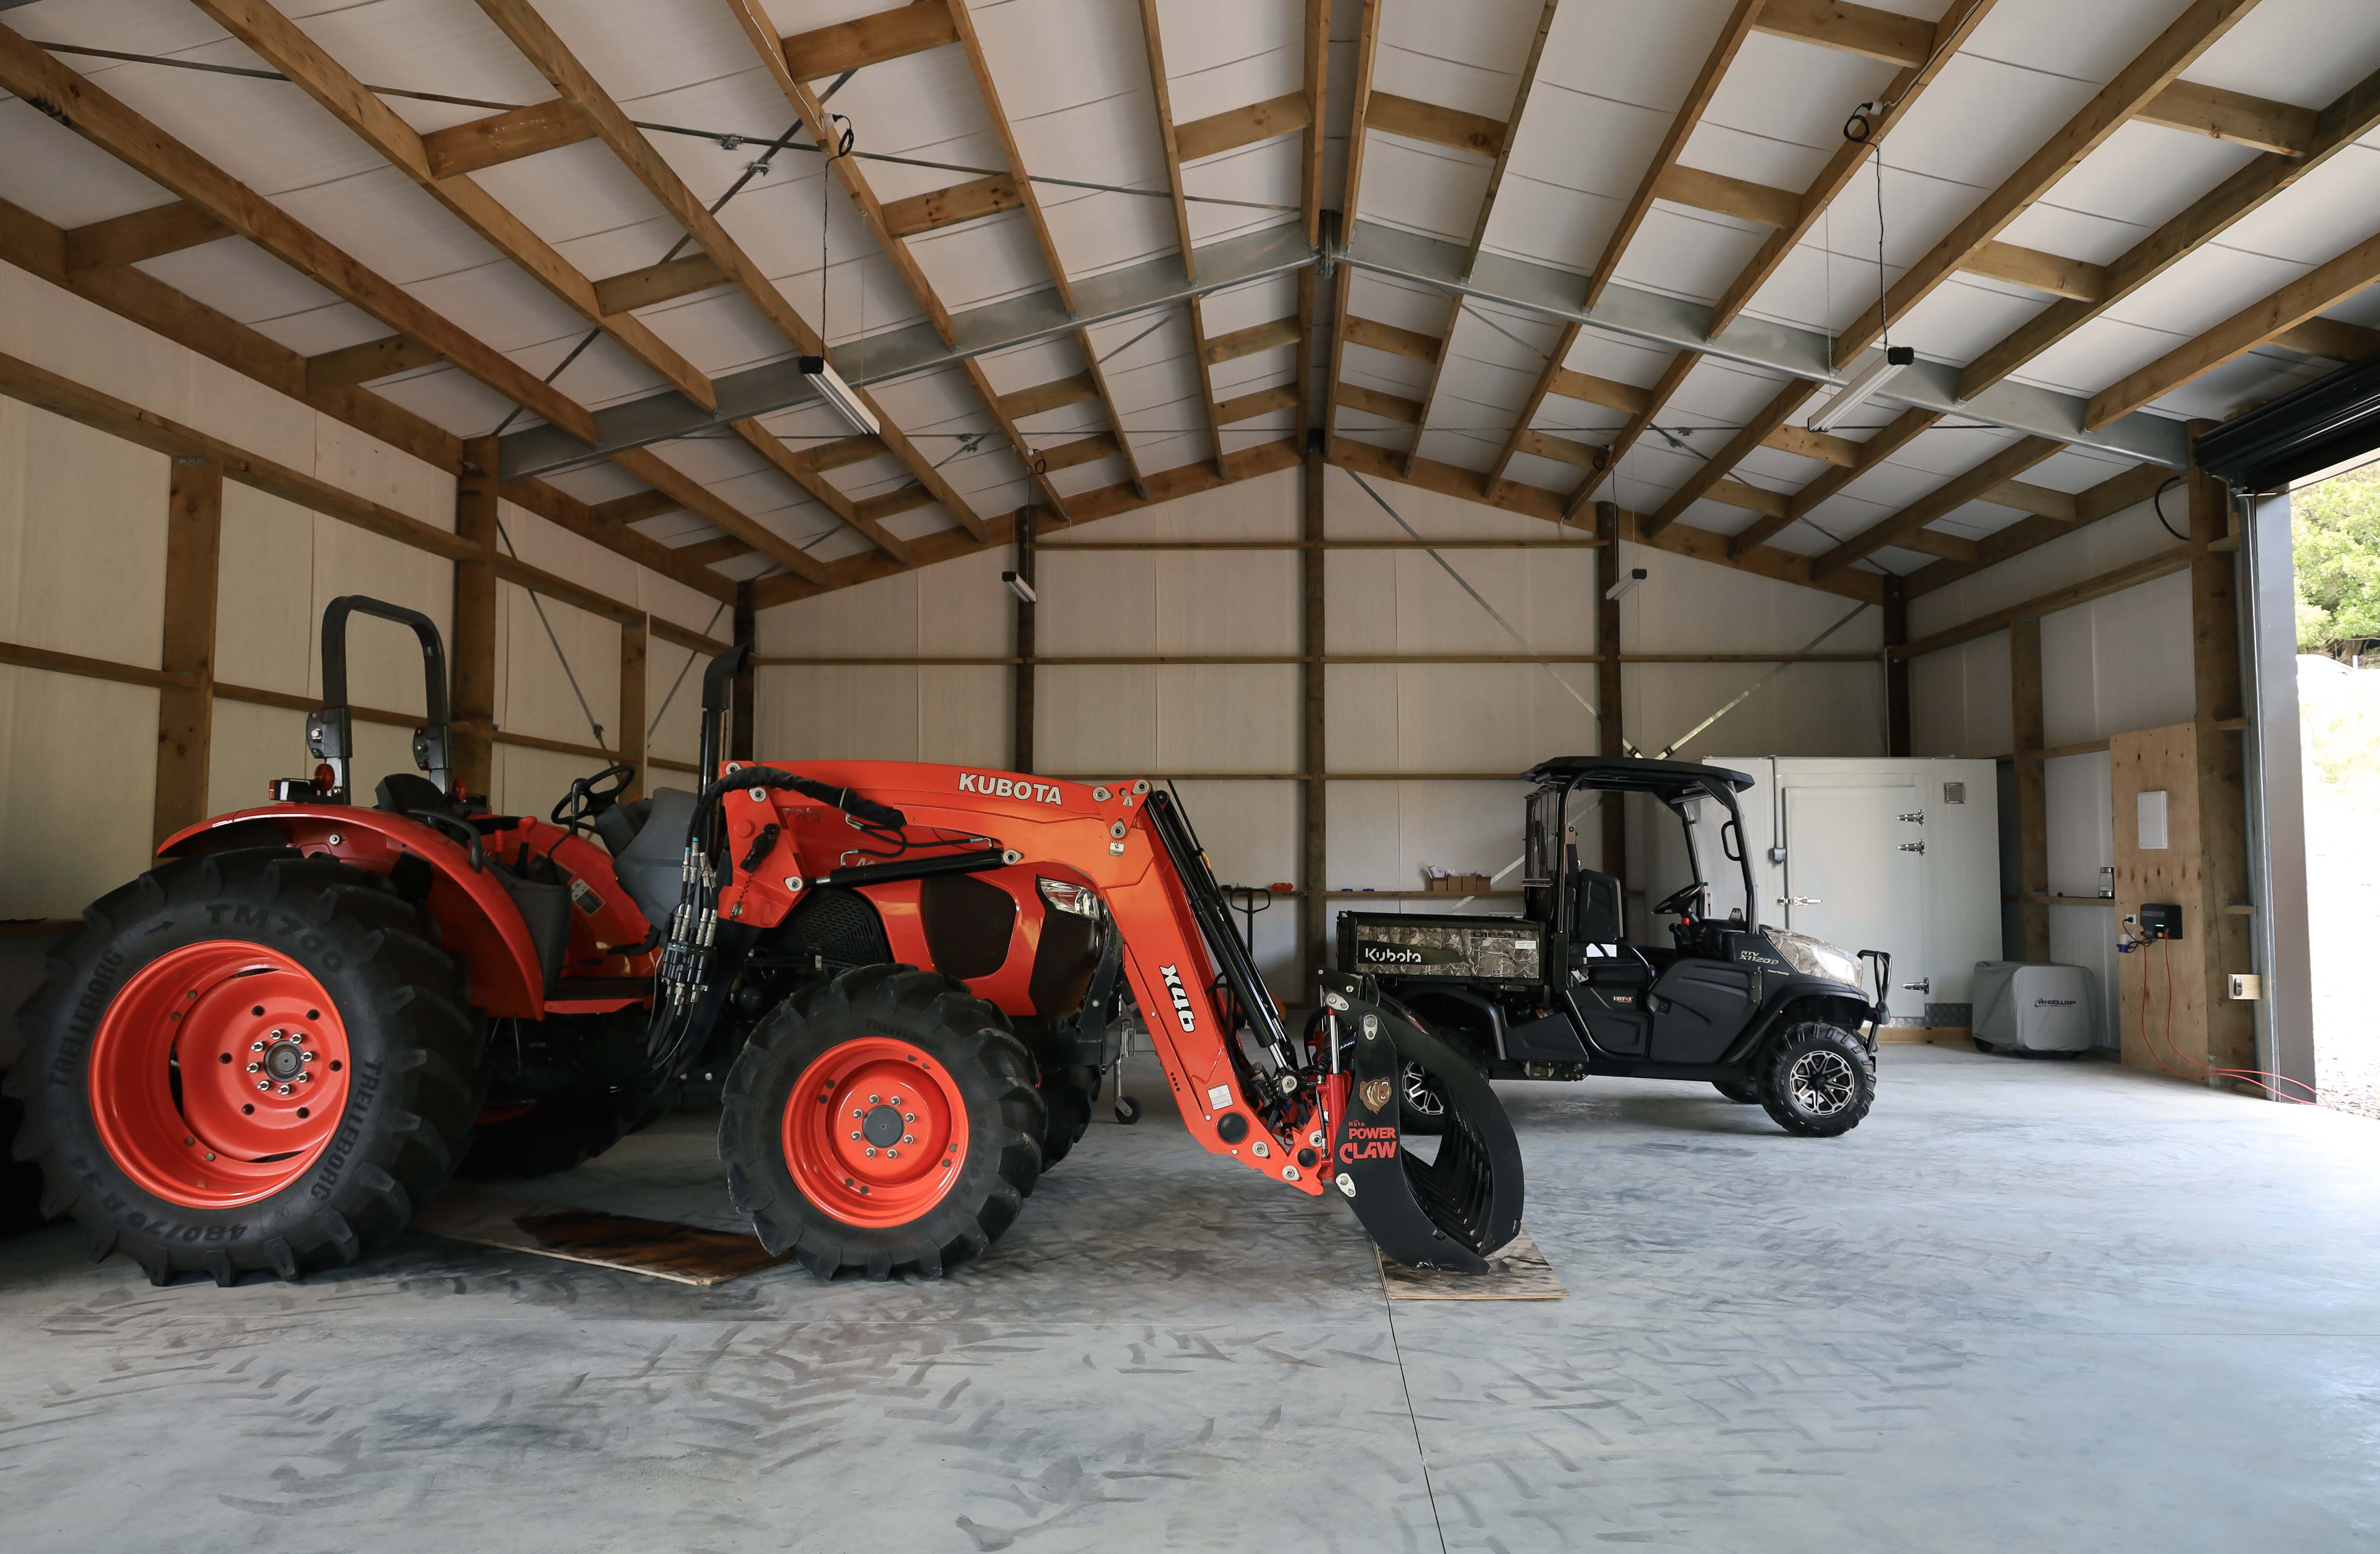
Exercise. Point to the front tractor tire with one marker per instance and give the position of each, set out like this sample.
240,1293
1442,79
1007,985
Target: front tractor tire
1817,1080
249,1062
885,1122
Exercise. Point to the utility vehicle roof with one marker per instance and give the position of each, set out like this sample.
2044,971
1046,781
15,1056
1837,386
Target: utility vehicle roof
1671,779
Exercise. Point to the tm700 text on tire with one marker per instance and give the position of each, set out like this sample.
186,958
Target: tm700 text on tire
250,1062
885,1122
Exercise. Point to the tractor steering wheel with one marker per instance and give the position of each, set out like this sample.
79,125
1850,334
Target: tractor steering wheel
1686,902
591,795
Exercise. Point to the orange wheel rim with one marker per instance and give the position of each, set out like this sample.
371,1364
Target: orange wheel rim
219,1075
875,1132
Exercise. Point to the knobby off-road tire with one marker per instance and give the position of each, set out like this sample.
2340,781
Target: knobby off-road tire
1817,1080
1742,1092
149,1124
1067,1095
943,1100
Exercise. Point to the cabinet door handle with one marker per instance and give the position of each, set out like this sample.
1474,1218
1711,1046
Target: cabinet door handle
1801,902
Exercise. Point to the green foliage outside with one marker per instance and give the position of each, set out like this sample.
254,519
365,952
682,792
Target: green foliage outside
2337,534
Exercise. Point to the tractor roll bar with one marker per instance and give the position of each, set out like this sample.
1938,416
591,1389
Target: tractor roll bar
330,729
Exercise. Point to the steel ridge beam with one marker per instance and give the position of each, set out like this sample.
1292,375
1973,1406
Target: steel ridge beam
1020,321
1673,323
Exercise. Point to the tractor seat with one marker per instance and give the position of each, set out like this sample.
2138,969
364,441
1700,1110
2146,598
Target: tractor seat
404,792
648,863
619,825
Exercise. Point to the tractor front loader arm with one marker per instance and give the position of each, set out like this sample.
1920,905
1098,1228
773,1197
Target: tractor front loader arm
1312,1117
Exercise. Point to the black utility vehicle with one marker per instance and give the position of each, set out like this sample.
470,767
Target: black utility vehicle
1763,1014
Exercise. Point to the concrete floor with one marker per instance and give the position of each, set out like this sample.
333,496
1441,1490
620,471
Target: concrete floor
2027,1304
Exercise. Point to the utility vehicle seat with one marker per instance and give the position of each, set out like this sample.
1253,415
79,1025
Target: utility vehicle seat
647,864
1594,908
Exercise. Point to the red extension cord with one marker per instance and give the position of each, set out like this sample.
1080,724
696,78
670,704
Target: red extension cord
2256,1076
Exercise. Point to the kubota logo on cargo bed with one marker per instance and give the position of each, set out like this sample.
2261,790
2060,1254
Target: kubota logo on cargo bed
1182,1010
1008,788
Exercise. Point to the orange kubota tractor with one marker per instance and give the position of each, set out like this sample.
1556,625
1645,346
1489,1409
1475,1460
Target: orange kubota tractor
272,1049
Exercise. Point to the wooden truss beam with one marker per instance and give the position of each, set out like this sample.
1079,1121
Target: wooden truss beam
869,39
1038,465
937,209
2197,30
1099,377
2109,496
106,123
2354,115
1021,176
1942,42
367,363
1656,399
1367,49
144,234
1767,419
1896,435
463,148
1951,495
1234,127
1168,138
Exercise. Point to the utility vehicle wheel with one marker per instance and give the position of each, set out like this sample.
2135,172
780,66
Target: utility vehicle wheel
1424,1108
1067,1097
885,1121
1817,1080
249,1062
1742,1093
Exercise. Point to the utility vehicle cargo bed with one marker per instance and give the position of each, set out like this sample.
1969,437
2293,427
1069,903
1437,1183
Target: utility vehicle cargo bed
1414,944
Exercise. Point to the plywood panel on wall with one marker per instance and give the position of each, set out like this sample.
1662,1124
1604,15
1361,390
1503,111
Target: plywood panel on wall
82,538
63,840
2174,1036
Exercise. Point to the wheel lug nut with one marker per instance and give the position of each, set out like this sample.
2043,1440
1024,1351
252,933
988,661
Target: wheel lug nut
854,1134
306,1077
306,1057
871,1153
264,1084
908,1116
892,1154
256,1046
908,1139
256,1068
285,1089
874,1098
895,1101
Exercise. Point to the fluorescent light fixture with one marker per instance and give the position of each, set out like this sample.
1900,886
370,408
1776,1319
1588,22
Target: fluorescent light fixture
1861,387
1019,587
835,392
1622,587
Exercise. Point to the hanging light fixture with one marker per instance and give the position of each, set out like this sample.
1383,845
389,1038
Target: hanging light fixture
1865,384
840,394
1886,365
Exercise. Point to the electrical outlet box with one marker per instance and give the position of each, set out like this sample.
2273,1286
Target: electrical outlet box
2247,985
2160,920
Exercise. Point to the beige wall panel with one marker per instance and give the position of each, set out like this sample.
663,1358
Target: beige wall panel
1265,508
864,714
1359,600
251,746
62,837
675,602
1559,724
384,658
963,609
674,730
964,715
1465,717
353,462
1227,601
1249,829
531,781
1105,602
869,620
82,538
1467,827
1434,614
2119,664
1239,717
267,624
1362,715
2088,551
533,693
1685,606
1096,719
1364,836
1958,700
553,548
54,329
1351,514
1810,709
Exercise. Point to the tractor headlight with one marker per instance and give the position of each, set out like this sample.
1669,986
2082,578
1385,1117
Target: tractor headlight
1064,896
1816,957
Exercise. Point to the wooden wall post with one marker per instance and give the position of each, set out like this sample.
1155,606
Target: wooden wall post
2224,899
1021,684
2032,789
1896,670
473,624
1314,804
740,723
1610,728
634,641
185,713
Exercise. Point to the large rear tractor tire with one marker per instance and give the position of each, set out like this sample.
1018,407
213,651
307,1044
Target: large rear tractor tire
249,1062
886,1122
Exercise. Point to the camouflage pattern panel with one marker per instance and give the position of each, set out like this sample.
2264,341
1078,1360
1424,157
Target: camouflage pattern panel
1479,949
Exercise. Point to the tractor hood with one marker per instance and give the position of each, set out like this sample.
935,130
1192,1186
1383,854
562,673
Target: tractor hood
1816,957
